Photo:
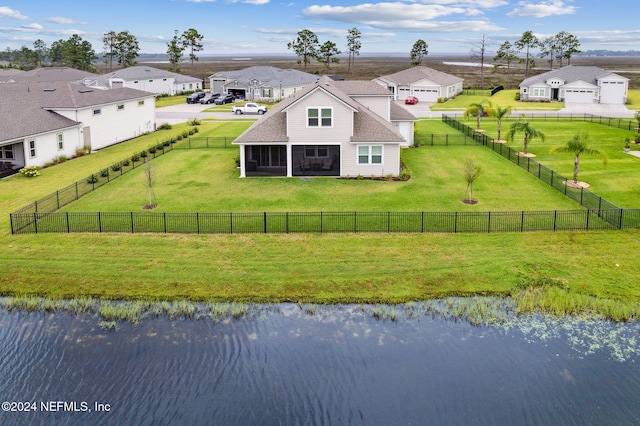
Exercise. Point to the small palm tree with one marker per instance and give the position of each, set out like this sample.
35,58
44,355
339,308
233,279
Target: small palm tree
576,146
530,133
477,109
499,113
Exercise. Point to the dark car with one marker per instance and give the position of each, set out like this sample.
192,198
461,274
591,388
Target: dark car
195,97
225,99
209,98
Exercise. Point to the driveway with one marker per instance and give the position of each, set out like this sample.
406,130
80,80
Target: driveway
180,113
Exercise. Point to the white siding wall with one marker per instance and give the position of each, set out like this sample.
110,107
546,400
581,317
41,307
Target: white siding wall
390,161
377,104
340,132
154,85
406,130
47,147
113,125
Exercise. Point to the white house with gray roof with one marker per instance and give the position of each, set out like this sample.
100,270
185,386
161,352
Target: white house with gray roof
329,128
426,84
576,84
260,83
45,120
149,79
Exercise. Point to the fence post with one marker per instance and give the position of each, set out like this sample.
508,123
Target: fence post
99,222
455,223
231,222
68,227
355,222
522,221
588,213
264,216
321,222
58,200
555,219
286,227
581,195
131,218
164,220
198,222
422,225
77,190
489,223
35,221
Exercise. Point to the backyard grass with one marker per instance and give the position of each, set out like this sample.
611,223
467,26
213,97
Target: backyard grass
502,98
618,181
309,268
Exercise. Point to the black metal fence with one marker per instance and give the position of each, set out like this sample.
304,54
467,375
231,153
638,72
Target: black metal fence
324,222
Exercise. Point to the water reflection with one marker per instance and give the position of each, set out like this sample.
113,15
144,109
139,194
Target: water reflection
290,364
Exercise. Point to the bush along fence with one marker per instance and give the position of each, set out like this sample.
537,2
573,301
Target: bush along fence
323,222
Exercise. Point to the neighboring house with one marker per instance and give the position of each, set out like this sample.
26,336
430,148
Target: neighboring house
49,74
7,75
576,84
329,128
148,79
426,84
42,121
260,83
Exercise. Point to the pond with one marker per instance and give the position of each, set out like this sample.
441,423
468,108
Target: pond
292,364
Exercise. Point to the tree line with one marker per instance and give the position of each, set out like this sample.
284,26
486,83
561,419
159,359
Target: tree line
121,48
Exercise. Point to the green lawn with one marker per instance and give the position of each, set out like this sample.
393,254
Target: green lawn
502,98
309,268
618,181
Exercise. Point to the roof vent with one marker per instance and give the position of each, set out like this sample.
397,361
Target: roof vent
86,91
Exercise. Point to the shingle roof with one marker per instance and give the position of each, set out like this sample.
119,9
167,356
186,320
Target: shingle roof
270,76
48,74
144,72
26,108
414,74
362,87
398,113
368,126
22,113
569,74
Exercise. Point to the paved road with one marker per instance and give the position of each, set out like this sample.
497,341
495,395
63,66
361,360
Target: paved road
183,112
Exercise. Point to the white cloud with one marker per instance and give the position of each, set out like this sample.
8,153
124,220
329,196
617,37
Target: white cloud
64,21
10,13
541,10
34,27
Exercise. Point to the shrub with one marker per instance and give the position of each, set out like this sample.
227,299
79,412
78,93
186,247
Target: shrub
196,130
160,147
104,173
166,143
92,179
82,151
164,126
192,131
194,122
143,154
125,163
517,96
152,150
185,134
135,157
173,140
30,171
440,100
179,137
116,167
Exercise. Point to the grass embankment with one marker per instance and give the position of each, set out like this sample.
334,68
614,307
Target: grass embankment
503,98
303,268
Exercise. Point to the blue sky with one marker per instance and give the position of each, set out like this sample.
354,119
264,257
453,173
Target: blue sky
244,27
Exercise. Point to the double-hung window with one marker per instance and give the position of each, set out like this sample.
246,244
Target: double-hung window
319,117
60,141
32,149
370,154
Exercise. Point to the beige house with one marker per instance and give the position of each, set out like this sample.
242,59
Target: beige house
330,128
426,84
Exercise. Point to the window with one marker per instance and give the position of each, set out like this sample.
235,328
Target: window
120,107
97,111
370,154
538,92
6,152
319,117
60,141
135,82
32,149
312,151
150,81
140,103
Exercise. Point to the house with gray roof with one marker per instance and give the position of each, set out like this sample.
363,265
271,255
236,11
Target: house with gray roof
50,74
149,79
45,120
576,84
426,84
260,83
329,128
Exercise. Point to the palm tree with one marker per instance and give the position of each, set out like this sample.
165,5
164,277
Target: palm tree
499,113
579,145
477,109
530,133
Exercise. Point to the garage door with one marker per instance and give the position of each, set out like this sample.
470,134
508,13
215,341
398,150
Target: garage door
578,96
426,95
612,92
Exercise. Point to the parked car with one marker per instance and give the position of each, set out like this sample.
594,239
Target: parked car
411,100
195,97
209,98
225,99
249,108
